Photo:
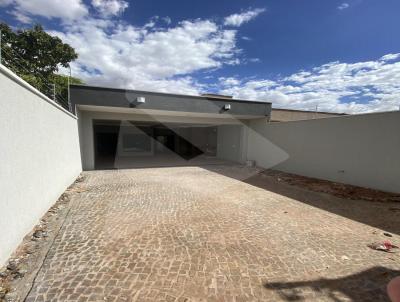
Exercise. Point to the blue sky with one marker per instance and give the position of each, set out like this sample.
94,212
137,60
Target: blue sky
337,55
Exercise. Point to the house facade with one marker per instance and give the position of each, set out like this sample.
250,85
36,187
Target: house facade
121,128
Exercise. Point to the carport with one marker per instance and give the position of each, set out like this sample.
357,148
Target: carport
123,144
135,129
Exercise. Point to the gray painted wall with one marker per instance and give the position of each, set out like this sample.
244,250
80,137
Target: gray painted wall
98,96
40,158
362,150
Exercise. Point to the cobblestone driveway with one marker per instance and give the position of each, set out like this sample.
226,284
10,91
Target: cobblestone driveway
199,234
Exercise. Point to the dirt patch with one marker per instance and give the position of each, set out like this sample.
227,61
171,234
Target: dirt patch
18,275
334,188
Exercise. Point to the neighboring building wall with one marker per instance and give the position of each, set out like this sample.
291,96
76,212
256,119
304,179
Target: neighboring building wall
362,150
286,115
40,158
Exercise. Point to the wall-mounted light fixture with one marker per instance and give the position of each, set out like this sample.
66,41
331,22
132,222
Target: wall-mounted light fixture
141,100
227,107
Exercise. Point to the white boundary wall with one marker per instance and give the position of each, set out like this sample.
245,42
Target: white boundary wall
40,157
362,150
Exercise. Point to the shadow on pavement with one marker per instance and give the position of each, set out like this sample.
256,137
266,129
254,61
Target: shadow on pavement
368,285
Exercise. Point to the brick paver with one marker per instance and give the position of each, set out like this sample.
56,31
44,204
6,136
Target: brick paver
202,234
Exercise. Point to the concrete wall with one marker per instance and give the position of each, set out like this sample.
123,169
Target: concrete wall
362,150
40,157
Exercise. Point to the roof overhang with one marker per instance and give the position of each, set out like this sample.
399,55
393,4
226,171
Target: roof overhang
90,98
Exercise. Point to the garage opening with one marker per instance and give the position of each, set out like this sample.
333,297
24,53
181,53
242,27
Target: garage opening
128,144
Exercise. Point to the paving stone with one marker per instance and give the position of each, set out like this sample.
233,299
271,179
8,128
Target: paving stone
208,234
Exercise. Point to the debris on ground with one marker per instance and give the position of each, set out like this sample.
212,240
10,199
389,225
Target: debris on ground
337,189
77,187
385,246
4,289
80,178
40,230
39,234
388,234
64,197
12,265
13,271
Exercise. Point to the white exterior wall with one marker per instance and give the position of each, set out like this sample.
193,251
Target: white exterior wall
40,158
362,150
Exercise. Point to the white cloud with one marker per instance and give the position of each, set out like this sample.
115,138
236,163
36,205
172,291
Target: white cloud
110,7
120,55
239,19
6,2
167,20
339,87
23,10
343,6
390,57
231,81
67,11
21,17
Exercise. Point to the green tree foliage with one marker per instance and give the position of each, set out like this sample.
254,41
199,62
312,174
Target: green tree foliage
61,84
36,56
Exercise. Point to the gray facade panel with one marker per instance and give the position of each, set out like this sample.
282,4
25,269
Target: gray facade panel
97,96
